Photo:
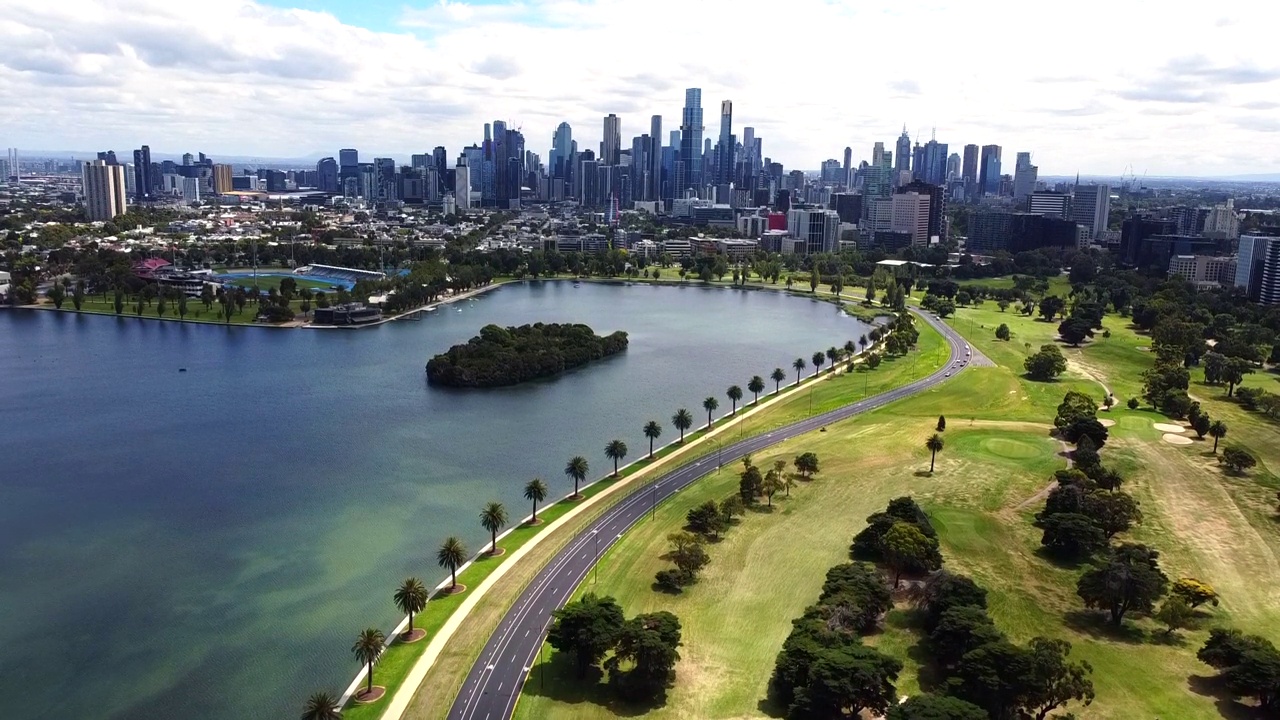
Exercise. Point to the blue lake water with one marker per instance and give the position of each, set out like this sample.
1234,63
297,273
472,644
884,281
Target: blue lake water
208,543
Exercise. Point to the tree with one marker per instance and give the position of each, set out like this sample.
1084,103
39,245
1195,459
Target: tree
1046,364
942,423
536,491
451,555
773,483
806,464
1249,665
1194,592
778,375
586,628
1234,373
77,295
1074,406
906,548
1201,424
936,707
682,421
1113,512
577,469
844,681
1073,331
1071,536
817,359
411,598
653,431
1218,430
832,356
799,365
1051,680
493,518
756,386
710,405
734,393
687,554
1050,306
707,519
873,360
1129,580
750,484
368,648
57,294
934,445
1175,614
1237,459
647,643
321,706
1133,403
959,631
118,303
615,451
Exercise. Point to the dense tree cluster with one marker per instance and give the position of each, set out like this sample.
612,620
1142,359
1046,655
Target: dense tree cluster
1046,364
506,356
641,652
901,537
1262,401
1248,665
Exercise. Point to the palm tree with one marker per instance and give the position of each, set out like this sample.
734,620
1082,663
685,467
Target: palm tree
653,431
862,341
1218,430
710,405
934,445
799,366
832,356
321,706
850,348
576,469
410,597
451,555
535,490
368,649
615,451
683,421
818,357
756,386
493,518
778,375
734,393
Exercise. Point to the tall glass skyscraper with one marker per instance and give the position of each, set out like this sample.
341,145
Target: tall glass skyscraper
689,165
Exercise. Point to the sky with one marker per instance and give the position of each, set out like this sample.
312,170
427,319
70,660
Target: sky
1175,88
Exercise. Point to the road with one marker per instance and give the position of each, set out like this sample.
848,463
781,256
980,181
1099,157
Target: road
494,682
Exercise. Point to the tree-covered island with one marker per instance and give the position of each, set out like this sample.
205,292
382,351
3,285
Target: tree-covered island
508,356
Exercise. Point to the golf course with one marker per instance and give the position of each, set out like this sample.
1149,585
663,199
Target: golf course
990,479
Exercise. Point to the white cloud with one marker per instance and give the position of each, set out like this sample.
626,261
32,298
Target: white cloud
1096,89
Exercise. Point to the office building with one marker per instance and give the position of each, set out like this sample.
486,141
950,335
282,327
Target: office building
1258,268
819,229
1137,229
991,232
611,144
689,162
654,190
726,147
933,163
848,205
1222,221
222,177
937,206
1024,177
104,194
191,189
1091,207
327,176
1047,202
969,168
953,167
903,151
989,171
911,216
1204,270
143,183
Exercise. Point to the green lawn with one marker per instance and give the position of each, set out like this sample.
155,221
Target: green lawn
196,311
989,483
267,282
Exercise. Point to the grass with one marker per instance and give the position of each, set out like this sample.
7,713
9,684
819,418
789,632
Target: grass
990,480
267,282
196,311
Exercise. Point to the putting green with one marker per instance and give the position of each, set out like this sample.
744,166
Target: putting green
1010,448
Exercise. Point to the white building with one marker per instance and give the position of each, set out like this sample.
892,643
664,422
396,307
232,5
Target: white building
104,196
1222,221
911,216
1204,270
190,189
1091,206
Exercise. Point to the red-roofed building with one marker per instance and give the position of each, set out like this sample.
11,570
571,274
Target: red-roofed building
146,269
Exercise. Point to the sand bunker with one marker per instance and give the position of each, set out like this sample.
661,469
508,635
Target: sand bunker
1168,428
1177,439
1107,422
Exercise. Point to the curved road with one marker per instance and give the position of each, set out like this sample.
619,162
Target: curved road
495,680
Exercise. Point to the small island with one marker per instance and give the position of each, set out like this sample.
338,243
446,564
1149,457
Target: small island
507,356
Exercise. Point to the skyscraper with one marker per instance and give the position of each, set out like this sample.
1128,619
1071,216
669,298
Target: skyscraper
611,144
969,169
561,148
142,180
1024,177
903,150
222,177
933,157
348,166
103,190
689,164
1258,268
1091,207
953,166
989,172
462,183
727,146
327,176
654,191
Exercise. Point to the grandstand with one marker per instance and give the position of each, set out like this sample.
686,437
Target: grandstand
340,273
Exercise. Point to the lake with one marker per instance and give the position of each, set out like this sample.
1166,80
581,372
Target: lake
208,543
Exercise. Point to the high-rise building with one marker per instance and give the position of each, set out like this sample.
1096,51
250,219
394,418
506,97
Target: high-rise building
191,189
188,159
689,162
1091,207
848,159
462,183
933,163
103,185
1222,220
1047,202
611,145
727,145
818,228
903,152
1024,177
327,178
222,177
143,183
911,215
654,191
937,216
1258,268
561,148
989,172
969,167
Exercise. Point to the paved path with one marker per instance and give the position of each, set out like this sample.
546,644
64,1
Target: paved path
494,682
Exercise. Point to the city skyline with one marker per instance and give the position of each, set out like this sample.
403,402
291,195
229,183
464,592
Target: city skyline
244,78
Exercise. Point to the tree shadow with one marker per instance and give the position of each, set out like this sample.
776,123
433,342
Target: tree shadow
1213,686
1098,625
922,473
771,706
1061,563
1169,639
562,684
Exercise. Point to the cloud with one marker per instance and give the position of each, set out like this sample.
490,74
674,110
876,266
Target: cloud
1198,66
498,67
905,87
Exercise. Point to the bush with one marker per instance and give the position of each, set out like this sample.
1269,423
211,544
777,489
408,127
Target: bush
275,313
1133,403
1046,365
507,356
1237,459
670,580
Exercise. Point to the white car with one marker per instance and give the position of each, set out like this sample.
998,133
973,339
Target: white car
948,374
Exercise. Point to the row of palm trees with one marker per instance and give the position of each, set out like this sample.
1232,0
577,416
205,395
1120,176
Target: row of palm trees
411,596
